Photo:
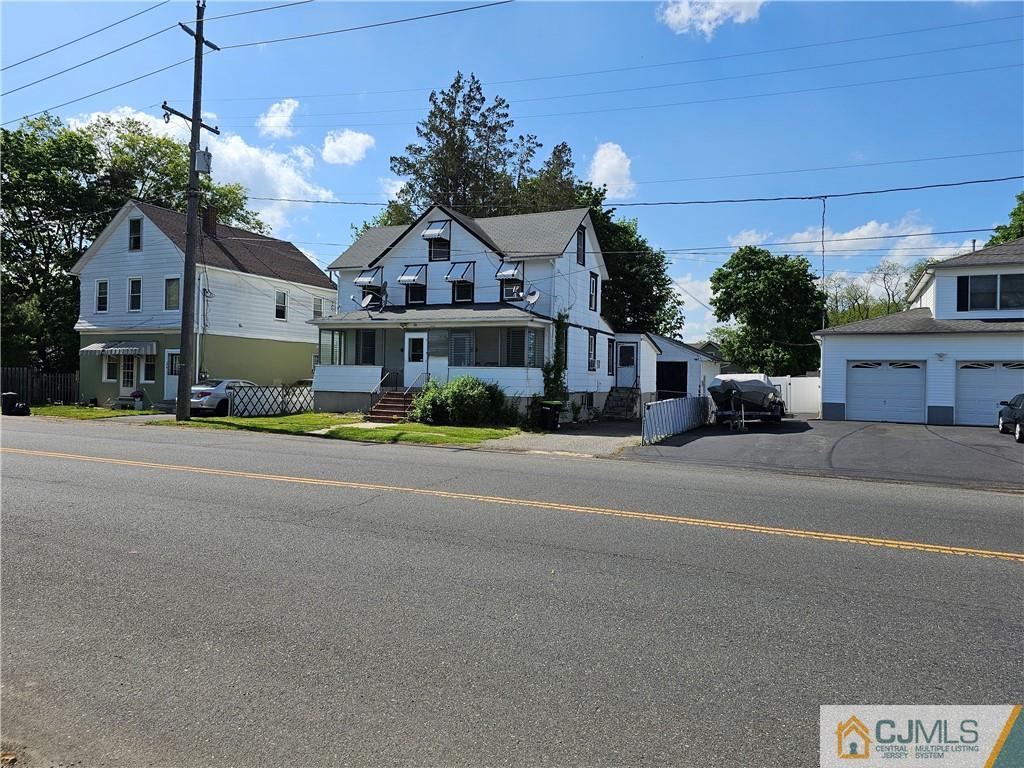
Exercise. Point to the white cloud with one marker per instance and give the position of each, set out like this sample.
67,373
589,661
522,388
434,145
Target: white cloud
263,172
749,237
391,187
610,168
346,147
276,121
706,16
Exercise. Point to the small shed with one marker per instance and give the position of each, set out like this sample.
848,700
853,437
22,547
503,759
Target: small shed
682,369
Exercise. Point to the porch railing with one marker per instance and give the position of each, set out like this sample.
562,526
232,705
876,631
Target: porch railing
388,381
418,383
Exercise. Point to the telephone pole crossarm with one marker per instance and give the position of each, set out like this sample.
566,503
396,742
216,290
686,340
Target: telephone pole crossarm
168,110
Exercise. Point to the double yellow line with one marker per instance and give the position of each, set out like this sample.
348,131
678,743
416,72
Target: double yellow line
842,538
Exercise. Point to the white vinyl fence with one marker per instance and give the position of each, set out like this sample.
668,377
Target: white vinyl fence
665,418
270,401
802,394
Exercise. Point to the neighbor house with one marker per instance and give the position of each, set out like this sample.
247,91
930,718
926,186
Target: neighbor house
254,296
949,359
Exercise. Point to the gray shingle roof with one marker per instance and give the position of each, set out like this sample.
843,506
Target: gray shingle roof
475,313
528,234
659,340
1011,252
251,253
915,321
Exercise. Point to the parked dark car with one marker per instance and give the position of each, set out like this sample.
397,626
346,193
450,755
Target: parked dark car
1011,417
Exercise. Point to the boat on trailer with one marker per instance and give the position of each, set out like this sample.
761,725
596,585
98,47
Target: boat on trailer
740,397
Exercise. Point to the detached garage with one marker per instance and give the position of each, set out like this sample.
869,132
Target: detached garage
949,359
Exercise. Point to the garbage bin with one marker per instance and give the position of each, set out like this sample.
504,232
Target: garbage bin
549,416
7,401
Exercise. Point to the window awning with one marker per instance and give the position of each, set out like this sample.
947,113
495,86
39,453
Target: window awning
436,230
413,276
368,277
510,270
461,272
120,348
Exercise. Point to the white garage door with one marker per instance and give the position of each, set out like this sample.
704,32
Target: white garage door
980,387
885,391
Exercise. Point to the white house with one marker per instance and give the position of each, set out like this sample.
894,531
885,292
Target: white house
450,295
254,296
949,359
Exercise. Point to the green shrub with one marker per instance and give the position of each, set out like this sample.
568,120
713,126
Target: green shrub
463,402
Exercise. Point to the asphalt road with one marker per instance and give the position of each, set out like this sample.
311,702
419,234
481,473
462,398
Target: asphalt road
390,605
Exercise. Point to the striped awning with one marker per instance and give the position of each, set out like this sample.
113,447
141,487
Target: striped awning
120,348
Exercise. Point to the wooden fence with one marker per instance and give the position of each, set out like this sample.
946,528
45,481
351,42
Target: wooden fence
37,387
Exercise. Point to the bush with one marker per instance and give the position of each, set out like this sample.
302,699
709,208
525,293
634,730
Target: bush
463,402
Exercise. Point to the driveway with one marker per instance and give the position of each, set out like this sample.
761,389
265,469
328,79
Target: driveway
963,456
602,438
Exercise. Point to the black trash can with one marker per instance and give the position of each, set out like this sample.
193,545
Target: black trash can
549,416
7,401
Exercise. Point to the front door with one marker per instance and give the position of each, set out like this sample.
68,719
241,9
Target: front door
625,375
172,359
415,358
129,374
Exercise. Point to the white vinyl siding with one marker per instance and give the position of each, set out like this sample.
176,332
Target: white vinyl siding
941,295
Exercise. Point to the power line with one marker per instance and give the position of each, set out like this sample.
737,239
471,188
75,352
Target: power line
634,89
257,10
365,26
639,66
83,37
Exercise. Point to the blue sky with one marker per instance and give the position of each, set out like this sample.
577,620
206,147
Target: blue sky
314,143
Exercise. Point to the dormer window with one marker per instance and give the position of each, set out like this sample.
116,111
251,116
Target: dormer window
581,246
989,292
134,234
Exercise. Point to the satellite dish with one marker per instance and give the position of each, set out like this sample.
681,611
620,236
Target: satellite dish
532,297
367,301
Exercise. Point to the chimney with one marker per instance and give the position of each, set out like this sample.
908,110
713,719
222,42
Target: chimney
974,245
210,221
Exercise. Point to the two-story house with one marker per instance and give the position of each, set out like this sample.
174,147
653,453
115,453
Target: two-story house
254,296
450,295
949,359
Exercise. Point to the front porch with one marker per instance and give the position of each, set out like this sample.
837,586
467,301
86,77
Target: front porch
358,364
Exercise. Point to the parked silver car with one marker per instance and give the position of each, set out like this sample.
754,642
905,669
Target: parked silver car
212,395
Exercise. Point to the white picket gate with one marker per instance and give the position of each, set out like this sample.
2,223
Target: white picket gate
665,418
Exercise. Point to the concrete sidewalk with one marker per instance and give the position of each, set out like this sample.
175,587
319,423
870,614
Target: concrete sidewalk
603,438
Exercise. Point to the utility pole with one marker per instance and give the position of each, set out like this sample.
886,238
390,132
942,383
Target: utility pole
186,354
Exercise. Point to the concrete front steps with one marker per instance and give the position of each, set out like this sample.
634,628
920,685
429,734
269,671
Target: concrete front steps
621,403
392,407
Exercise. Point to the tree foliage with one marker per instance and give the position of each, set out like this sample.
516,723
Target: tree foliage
61,186
1012,230
466,157
775,304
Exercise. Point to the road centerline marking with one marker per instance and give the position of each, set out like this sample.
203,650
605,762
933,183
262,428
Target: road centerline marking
842,538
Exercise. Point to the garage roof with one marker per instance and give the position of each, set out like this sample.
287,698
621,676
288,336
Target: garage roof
921,321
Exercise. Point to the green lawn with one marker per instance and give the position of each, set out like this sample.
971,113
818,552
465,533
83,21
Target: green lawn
424,434
83,412
296,424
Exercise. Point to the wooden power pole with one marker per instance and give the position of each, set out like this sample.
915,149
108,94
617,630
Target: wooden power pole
187,366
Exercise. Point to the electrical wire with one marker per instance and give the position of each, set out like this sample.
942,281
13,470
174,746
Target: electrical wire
83,37
677,62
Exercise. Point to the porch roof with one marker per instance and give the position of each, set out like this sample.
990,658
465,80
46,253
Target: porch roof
120,348
434,317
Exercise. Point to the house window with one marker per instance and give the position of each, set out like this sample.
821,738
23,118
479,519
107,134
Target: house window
415,294
511,290
366,347
534,348
460,348
318,307
592,351
135,234
581,247
134,294
983,291
1011,291
414,278
594,280
101,295
128,371
415,352
280,305
515,347
110,368
332,344
436,230
627,356
462,291
172,293
439,250
611,357
149,369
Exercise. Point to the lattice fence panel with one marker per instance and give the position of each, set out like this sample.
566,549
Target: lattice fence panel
271,401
